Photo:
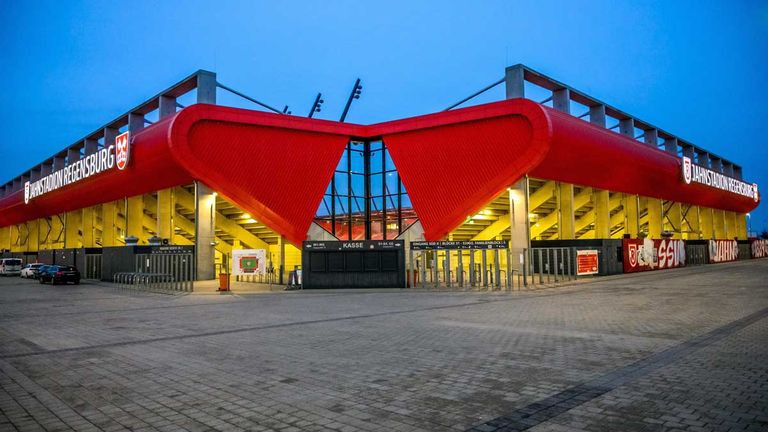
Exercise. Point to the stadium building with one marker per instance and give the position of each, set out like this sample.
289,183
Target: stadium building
488,195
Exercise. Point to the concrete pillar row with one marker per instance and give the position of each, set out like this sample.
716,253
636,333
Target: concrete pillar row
627,127
205,231
565,203
651,137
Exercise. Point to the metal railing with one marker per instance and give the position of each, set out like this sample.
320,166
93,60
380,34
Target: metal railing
485,270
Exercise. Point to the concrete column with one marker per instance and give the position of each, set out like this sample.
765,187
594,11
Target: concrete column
91,146
5,238
165,212
15,240
205,231
89,236
33,237
167,106
519,225
741,226
731,227
566,222
718,222
514,79
109,224
632,215
110,133
72,222
206,88
688,152
627,127
717,164
707,223
674,220
134,218
34,174
703,158
655,221
651,137
58,162
73,155
280,265
694,222
737,172
597,115
670,145
600,199
46,168
728,169
561,100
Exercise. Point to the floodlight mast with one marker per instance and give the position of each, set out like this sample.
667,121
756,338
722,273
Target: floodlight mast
316,105
354,94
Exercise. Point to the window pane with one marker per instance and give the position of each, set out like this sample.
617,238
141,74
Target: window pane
377,204
390,165
376,184
391,205
342,166
391,179
341,185
376,161
358,185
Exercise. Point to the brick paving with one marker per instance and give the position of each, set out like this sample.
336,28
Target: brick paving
677,350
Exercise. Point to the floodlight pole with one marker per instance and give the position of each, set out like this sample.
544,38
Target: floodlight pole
354,94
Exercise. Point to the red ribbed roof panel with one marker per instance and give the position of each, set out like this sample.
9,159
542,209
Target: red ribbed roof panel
452,165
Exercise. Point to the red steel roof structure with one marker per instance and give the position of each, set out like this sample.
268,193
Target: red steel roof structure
276,167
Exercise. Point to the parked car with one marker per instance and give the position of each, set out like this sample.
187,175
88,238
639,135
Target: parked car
10,266
30,271
56,274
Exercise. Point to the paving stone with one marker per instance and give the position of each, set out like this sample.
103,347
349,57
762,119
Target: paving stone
617,354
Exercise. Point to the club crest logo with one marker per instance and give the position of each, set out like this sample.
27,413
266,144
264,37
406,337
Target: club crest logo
122,150
26,193
632,255
757,195
687,170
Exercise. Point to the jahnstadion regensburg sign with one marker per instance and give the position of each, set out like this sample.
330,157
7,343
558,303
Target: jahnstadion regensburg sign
699,174
114,155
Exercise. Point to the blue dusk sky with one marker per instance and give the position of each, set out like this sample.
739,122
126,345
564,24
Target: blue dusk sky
695,69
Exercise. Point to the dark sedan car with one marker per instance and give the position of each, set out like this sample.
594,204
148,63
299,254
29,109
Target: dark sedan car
56,274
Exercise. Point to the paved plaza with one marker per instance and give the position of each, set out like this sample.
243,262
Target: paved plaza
676,350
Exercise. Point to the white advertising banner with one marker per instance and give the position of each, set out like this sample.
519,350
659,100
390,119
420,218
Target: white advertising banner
723,251
249,262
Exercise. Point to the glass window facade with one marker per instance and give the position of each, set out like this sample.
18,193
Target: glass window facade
366,199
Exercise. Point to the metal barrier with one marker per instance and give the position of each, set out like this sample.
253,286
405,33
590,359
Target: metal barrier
160,272
552,265
464,266
695,254
92,268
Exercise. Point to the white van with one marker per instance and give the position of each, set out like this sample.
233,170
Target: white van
10,266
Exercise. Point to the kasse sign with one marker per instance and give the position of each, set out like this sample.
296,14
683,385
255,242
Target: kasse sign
699,174
114,155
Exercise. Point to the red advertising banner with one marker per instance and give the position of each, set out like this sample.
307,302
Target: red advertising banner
723,251
759,248
652,254
586,262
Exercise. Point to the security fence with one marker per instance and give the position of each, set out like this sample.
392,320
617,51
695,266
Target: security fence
166,272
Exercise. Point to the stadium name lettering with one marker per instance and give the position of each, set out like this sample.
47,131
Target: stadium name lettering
111,156
93,164
699,174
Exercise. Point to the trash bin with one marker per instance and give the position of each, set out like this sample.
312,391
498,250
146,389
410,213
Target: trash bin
223,281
